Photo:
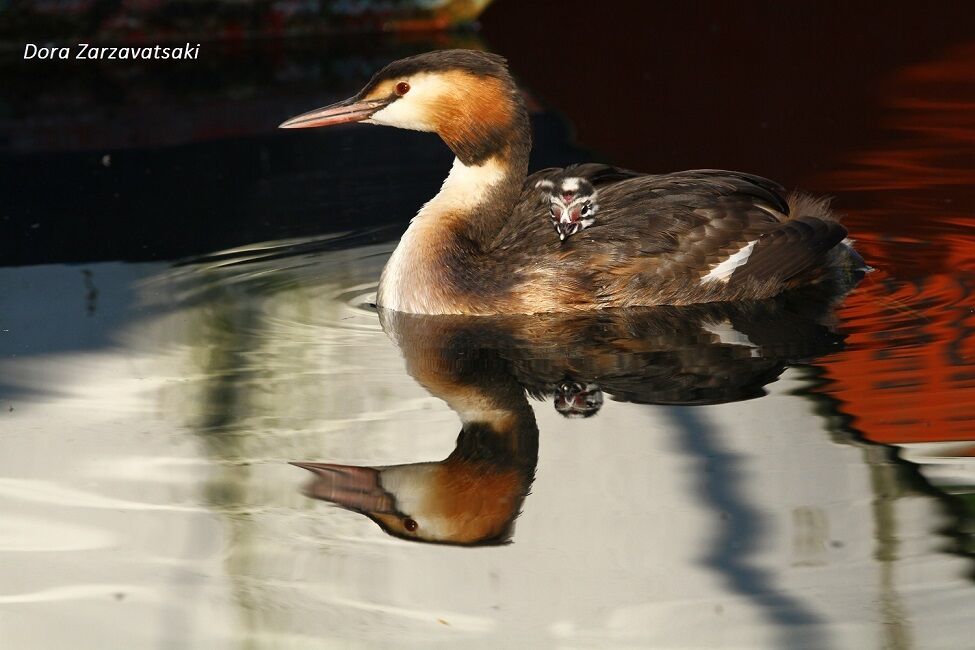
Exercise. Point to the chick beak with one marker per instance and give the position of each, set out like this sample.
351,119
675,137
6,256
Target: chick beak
343,112
565,228
350,487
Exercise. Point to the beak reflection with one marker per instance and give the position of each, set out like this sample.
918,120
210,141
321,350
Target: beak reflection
353,488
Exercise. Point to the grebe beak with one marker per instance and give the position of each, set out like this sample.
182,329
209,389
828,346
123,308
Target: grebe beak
343,112
353,488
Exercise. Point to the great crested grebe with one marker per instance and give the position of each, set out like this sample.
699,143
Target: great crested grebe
572,202
482,245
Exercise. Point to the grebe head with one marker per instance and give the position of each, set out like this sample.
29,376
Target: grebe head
575,399
465,96
450,502
572,204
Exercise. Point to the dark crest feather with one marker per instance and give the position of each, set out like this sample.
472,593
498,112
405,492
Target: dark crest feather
483,64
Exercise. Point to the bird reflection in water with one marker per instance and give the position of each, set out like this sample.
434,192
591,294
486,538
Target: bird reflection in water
486,368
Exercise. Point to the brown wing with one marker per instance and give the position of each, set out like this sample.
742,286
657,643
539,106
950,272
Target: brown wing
655,238
651,212
790,251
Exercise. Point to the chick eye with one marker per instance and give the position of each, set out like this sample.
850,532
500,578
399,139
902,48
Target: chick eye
402,88
586,208
410,524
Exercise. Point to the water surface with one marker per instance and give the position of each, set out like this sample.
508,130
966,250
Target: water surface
792,474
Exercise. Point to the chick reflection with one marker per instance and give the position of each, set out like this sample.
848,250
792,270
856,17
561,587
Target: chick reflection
485,368
575,399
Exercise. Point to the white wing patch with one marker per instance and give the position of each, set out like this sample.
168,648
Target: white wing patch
728,335
723,271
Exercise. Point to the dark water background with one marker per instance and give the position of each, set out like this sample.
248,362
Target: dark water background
819,493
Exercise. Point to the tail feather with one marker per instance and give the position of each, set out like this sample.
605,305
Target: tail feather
793,252
805,205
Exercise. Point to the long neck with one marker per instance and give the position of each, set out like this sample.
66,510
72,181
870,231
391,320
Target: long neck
434,268
476,199
463,362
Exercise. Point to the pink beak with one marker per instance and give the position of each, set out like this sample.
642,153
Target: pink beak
343,112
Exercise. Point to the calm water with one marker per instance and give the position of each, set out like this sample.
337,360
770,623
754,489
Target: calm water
793,474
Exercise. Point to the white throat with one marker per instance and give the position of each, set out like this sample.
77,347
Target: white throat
465,187
409,282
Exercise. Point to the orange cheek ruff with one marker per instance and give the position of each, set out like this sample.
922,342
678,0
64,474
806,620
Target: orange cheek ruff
483,97
477,499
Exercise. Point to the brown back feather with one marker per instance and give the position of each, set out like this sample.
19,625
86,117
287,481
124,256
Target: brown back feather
655,237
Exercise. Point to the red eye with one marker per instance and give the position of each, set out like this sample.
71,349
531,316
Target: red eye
401,89
410,524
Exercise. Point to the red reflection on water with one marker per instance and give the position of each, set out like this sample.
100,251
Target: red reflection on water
932,108
908,373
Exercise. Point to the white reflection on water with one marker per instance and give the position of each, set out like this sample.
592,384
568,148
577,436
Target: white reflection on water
44,492
33,534
147,501
78,592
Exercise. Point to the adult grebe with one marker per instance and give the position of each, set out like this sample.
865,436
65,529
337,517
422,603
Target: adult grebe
483,244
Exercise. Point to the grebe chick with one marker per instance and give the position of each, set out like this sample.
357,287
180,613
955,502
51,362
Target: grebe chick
483,245
576,399
572,202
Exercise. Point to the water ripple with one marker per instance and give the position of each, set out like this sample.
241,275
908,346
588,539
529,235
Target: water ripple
54,494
